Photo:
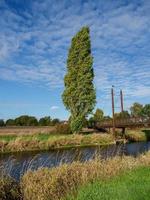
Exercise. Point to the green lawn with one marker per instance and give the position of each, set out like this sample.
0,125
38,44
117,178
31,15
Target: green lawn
133,185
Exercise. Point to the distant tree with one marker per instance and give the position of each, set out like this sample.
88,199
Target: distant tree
79,95
146,110
2,123
98,115
32,121
107,118
26,120
45,121
55,121
122,115
136,110
10,122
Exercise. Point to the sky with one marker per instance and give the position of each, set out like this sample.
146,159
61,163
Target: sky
35,36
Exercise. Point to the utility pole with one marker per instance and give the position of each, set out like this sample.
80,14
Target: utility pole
121,100
113,108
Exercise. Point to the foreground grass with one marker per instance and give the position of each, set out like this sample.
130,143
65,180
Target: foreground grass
114,179
133,184
9,143
66,180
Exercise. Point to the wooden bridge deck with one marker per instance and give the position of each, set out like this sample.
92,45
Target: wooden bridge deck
124,123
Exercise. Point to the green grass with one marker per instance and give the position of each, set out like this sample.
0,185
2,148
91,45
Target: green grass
132,185
7,138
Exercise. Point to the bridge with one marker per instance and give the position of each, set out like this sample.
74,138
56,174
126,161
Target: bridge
132,122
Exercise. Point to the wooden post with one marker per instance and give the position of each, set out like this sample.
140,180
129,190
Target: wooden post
121,100
113,109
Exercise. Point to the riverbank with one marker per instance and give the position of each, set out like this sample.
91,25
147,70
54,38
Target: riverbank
40,142
50,141
137,135
70,181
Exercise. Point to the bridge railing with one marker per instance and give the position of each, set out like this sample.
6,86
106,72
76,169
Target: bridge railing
124,122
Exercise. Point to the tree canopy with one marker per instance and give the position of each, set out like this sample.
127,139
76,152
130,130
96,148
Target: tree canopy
136,109
98,115
79,94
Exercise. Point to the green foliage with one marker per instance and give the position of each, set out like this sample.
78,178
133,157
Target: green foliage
146,110
26,120
55,121
10,122
79,95
2,123
45,121
122,115
98,115
91,122
136,110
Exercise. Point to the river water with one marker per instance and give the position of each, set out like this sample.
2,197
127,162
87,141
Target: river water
16,164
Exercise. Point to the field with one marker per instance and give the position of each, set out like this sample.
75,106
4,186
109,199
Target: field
19,131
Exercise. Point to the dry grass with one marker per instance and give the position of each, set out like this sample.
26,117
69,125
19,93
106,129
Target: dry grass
9,189
54,141
19,131
138,135
57,183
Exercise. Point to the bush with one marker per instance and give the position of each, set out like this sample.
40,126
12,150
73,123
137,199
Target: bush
9,189
63,129
2,123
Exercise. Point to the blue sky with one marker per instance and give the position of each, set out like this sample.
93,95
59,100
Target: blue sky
34,39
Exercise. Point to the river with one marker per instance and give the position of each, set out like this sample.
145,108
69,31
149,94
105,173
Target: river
16,164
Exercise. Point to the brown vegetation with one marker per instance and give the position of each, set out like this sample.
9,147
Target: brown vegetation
57,183
54,141
9,189
13,130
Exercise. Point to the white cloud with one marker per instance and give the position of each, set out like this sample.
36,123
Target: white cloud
54,107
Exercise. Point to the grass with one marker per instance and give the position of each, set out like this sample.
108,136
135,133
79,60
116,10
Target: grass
138,135
14,143
130,185
74,179
117,178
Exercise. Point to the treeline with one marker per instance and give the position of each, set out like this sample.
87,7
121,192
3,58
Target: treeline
136,110
26,120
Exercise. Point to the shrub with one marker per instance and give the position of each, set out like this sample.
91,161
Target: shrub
63,129
9,189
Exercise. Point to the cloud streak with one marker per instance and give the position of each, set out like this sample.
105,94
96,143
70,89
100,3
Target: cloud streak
34,42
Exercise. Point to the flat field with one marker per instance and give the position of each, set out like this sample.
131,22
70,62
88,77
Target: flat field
26,130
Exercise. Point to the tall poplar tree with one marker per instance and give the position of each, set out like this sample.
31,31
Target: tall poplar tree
79,96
